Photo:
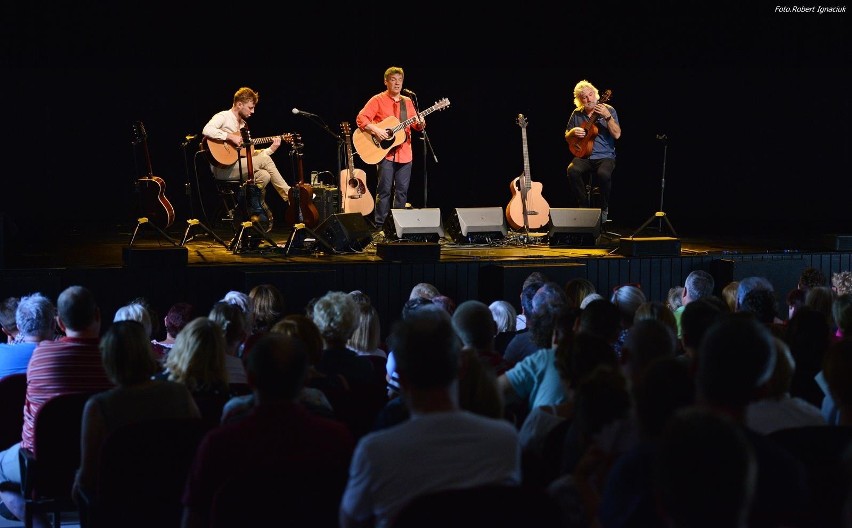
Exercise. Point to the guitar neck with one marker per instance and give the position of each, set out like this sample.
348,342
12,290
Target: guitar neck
526,178
270,139
411,120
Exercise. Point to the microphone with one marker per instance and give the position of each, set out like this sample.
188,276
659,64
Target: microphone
297,111
406,91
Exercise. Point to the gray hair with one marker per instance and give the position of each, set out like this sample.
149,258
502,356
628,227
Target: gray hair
35,316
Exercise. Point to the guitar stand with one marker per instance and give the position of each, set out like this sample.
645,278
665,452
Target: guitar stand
305,233
237,245
143,221
192,222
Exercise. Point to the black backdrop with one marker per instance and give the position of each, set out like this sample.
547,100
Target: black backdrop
755,104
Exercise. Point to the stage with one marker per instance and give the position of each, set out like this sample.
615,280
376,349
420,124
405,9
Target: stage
163,269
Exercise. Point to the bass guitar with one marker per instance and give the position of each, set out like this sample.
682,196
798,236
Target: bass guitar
300,208
353,184
222,154
372,150
153,203
582,147
527,209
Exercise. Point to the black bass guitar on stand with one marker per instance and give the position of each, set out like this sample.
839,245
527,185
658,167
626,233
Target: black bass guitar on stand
151,189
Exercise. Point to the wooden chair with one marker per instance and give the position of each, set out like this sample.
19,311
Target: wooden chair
48,470
143,469
13,394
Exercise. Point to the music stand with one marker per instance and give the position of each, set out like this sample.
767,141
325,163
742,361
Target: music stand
661,214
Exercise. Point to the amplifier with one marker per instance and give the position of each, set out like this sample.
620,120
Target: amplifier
326,200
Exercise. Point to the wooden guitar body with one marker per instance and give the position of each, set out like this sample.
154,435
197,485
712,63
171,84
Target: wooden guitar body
301,208
527,208
353,183
581,147
372,150
153,203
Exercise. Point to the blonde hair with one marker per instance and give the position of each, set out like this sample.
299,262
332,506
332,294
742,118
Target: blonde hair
245,95
578,89
336,314
197,358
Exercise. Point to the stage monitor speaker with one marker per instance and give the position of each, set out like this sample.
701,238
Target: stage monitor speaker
477,225
345,233
574,226
650,246
418,225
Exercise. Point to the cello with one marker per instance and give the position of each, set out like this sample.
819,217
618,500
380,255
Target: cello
301,208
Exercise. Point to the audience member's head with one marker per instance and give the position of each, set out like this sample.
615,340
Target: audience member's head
779,383
306,330
427,351
762,304
698,285
269,305
656,310
548,299
729,295
445,302
589,298
795,300
837,367
841,313
244,302
647,341
474,325
198,357
277,367
666,386
425,290
577,289
135,311
600,317
504,315
7,317
230,319
697,317
674,298
177,317
368,332
736,358
336,316
126,353
78,312
627,299
35,318
841,282
531,284
811,277
821,299
705,472
751,283
412,305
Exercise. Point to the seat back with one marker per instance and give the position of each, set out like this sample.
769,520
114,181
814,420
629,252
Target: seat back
48,470
142,472
495,506
281,494
13,394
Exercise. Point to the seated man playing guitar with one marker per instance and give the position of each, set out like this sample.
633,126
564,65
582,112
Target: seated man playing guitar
224,131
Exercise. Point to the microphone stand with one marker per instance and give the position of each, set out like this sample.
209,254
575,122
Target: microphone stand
427,146
321,123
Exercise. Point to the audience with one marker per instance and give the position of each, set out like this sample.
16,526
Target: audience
440,447
130,364
230,319
34,322
7,318
177,317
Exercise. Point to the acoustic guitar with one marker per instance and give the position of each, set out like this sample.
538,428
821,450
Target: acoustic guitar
353,183
582,147
153,203
372,150
222,154
527,209
300,208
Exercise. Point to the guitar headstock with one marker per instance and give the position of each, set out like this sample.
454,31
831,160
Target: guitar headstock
442,104
139,134
246,134
522,121
295,140
605,97
344,126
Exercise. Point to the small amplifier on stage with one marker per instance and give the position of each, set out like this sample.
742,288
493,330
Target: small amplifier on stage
326,200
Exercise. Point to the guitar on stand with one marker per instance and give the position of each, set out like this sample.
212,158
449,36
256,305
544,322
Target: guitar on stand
251,202
153,203
355,197
301,209
527,209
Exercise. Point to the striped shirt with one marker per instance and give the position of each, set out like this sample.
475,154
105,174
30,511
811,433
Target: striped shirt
67,365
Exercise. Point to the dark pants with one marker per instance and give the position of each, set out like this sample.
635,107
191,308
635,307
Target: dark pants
392,176
599,172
